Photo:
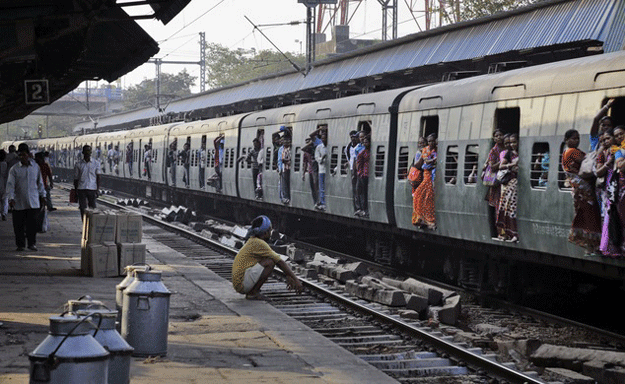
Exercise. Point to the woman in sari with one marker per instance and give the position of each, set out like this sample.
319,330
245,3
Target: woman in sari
424,209
586,227
506,217
494,191
607,195
418,177
616,214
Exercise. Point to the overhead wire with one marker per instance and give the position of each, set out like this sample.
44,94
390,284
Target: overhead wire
194,20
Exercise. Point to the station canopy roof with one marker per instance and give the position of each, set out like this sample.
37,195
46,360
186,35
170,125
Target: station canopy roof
48,47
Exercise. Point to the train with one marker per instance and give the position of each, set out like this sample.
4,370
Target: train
539,103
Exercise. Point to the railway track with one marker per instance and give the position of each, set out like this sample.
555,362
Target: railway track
408,350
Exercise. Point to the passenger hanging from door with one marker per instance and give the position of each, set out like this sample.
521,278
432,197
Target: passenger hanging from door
215,181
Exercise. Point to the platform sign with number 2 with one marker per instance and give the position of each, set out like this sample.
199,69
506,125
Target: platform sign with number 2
37,92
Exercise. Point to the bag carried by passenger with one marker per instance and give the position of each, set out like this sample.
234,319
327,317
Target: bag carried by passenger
586,169
415,176
42,221
504,176
489,178
73,196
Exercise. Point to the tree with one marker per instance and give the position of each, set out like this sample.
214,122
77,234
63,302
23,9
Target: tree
141,94
226,67
473,9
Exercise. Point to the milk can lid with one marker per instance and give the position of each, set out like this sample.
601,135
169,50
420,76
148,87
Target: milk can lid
148,275
68,322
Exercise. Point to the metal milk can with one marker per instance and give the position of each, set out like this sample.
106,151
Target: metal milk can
69,354
119,350
119,289
145,314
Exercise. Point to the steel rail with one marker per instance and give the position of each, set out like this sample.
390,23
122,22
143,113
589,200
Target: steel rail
460,353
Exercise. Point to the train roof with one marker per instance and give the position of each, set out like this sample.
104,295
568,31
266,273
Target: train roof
558,26
590,73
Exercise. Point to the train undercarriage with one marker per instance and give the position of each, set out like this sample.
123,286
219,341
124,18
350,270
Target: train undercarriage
491,270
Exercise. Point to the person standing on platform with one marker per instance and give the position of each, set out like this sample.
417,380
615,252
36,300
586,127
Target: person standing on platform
26,195
4,173
256,260
86,180
11,158
46,174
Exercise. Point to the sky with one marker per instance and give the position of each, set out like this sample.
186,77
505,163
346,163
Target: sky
224,22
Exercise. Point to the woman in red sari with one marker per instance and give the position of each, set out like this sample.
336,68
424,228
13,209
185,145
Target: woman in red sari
424,209
494,191
586,226
418,177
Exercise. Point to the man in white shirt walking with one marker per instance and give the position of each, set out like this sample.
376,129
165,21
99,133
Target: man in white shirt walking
26,195
86,180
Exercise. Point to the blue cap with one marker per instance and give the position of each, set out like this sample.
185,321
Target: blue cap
282,128
260,225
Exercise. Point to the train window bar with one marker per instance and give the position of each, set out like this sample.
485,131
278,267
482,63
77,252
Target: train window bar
402,166
539,172
249,163
451,165
471,163
334,159
563,181
380,155
343,161
297,159
268,153
232,157
244,155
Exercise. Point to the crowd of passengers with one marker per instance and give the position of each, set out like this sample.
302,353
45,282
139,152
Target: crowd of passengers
598,182
315,165
597,178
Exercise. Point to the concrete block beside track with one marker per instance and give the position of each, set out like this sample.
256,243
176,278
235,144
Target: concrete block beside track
295,254
604,373
448,313
416,302
568,376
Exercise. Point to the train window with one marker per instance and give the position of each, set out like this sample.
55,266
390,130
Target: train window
268,158
507,120
402,166
451,165
334,159
380,154
563,181
243,155
539,173
232,157
470,164
343,160
297,158
429,125
212,158
249,164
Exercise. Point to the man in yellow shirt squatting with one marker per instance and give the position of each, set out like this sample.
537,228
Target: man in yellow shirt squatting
256,260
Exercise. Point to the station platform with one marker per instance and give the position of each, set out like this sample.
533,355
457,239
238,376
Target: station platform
215,334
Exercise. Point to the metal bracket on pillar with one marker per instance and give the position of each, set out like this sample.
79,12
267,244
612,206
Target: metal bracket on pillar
311,28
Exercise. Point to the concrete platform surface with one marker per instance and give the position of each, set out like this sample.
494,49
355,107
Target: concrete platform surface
215,335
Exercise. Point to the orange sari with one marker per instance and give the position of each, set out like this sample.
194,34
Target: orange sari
424,212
